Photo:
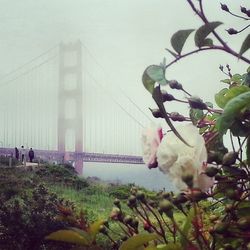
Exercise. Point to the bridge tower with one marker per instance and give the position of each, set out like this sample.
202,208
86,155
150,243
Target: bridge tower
70,89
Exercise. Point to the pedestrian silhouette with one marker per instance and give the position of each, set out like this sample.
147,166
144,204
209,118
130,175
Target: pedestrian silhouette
31,154
22,153
16,153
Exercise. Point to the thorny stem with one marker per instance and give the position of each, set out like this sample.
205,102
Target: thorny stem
145,219
245,18
123,229
197,227
181,232
244,28
193,52
159,222
231,139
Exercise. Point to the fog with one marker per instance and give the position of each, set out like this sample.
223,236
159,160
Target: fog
120,39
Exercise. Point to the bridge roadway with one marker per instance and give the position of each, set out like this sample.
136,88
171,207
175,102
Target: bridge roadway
57,156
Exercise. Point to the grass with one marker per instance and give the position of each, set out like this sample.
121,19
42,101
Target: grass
93,200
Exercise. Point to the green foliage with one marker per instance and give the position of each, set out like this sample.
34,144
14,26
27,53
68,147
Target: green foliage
179,38
26,219
245,45
137,241
85,237
226,95
153,74
62,174
233,110
203,32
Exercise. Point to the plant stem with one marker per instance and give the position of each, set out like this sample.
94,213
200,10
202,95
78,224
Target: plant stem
159,222
226,48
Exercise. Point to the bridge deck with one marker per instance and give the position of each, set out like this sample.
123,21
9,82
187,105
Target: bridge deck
53,155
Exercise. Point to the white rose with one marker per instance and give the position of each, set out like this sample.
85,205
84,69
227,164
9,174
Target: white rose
151,138
175,158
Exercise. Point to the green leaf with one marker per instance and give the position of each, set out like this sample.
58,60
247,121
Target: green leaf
228,81
243,208
137,241
246,79
179,38
220,98
195,115
148,83
208,42
203,32
69,236
232,110
157,74
153,74
170,246
226,95
237,78
245,45
186,228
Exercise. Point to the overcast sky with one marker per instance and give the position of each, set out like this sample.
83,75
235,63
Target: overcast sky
125,36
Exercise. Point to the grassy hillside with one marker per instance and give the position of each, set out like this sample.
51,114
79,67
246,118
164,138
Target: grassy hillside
30,199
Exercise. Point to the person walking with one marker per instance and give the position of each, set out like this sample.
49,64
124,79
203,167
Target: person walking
22,153
31,154
16,153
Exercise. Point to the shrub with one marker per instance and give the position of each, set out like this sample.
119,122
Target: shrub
27,218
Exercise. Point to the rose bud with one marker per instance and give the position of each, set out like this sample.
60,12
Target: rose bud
243,9
132,200
232,31
103,230
166,96
156,113
124,238
181,198
211,171
165,195
175,116
198,195
135,223
115,213
224,7
128,219
166,207
141,196
196,103
173,84
229,158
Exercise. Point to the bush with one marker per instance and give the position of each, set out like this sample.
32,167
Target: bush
64,174
4,160
26,219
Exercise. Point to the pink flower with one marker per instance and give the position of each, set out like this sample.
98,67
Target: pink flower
151,138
